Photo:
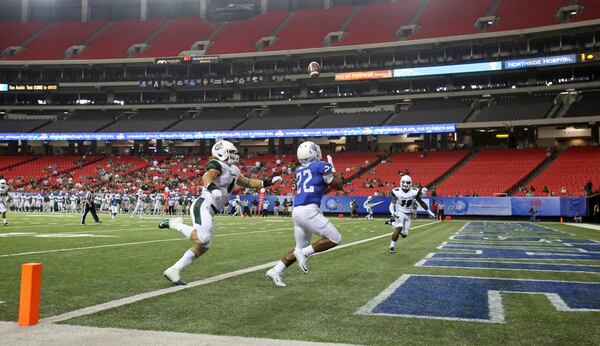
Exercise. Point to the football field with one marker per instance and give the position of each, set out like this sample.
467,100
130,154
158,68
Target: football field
454,282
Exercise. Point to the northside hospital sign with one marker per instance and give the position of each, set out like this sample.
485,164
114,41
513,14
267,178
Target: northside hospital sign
246,134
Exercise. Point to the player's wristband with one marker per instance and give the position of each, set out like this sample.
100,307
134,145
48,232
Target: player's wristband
211,187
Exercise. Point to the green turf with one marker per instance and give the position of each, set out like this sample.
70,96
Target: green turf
318,306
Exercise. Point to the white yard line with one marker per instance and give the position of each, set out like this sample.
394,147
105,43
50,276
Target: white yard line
584,225
139,297
131,243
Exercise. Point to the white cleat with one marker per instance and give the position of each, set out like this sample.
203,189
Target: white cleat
275,278
302,260
174,275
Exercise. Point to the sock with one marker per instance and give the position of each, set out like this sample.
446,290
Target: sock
307,251
185,229
279,267
4,220
185,260
392,244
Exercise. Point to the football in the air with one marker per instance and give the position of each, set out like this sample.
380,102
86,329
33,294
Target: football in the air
314,69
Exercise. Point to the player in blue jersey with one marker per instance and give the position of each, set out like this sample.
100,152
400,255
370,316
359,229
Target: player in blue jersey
115,203
313,178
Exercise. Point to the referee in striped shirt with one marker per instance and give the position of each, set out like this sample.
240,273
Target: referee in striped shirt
89,207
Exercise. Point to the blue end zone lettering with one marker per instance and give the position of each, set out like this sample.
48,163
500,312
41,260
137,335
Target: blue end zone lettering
523,239
474,299
519,254
477,228
529,254
553,267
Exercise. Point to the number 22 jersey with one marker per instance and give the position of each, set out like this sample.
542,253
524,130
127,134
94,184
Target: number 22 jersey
311,183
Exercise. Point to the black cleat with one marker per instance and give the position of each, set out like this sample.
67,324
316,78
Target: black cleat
164,224
392,250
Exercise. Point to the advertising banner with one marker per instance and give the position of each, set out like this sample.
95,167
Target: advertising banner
235,134
545,206
363,75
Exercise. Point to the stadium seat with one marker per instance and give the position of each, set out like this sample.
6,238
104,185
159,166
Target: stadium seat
572,169
52,43
118,37
423,167
179,35
14,33
379,22
241,36
9,161
519,14
492,171
591,10
308,28
450,18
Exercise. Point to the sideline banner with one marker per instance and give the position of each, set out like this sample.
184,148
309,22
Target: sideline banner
458,206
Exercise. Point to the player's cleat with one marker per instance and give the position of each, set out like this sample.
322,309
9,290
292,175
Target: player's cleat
301,259
392,250
99,223
171,223
275,278
173,275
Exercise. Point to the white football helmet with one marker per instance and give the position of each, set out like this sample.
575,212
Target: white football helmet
369,198
225,151
308,152
2,183
424,191
406,182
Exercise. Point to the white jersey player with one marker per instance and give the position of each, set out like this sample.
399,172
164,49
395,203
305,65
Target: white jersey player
219,180
401,208
3,200
368,205
139,204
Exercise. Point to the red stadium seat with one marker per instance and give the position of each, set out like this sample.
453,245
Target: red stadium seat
14,33
178,36
308,28
52,43
118,37
241,36
591,10
451,17
519,14
423,167
379,22
492,171
572,169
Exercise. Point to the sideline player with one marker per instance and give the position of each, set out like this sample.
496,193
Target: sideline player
220,178
115,203
368,205
3,200
313,178
139,204
401,209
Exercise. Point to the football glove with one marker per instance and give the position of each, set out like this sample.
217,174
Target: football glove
271,181
214,191
330,160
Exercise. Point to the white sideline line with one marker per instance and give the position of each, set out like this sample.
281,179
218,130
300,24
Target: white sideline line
139,297
127,244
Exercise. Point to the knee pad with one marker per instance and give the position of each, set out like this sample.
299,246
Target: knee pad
336,238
